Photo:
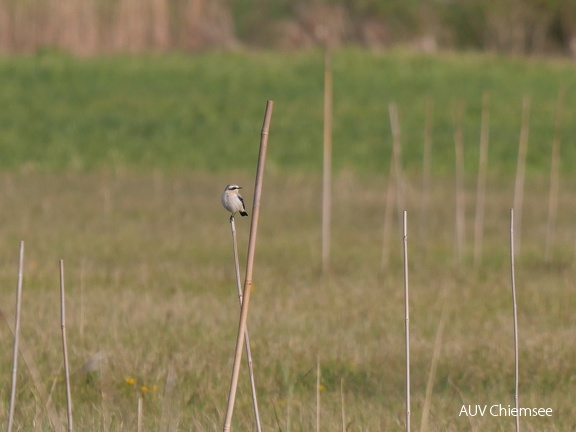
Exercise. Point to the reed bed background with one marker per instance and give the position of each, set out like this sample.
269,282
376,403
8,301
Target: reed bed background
88,27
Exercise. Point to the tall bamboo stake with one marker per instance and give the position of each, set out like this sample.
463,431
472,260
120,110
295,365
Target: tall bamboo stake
459,152
318,394
246,337
249,265
65,348
342,405
521,169
390,196
16,339
396,156
327,162
513,280
407,324
481,186
139,418
426,169
432,373
554,177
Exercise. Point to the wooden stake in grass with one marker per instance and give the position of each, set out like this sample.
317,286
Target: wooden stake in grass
65,348
390,196
249,265
246,337
318,394
406,323
16,339
513,280
521,169
342,405
554,177
139,418
327,162
481,186
432,373
396,155
426,169
459,151
394,188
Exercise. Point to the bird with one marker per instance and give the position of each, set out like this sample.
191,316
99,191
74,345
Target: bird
233,201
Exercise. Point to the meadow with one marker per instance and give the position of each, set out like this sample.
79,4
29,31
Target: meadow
116,165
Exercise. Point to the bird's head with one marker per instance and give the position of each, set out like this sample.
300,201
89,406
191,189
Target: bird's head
233,188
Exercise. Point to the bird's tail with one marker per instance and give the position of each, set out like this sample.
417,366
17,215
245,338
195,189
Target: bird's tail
243,213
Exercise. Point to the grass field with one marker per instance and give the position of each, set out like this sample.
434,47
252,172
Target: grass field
198,112
117,165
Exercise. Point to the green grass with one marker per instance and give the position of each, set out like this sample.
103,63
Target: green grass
178,112
116,165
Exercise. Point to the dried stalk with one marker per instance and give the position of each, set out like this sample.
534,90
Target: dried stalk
554,177
327,162
318,394
481,186
459,159
140,415
396,155
390,195
65,349
513,280
432,373
521,169
166,417
407,323
342,404
16,339
426,169
246,337
249,265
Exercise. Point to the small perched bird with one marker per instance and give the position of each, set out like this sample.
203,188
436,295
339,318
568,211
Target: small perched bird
233,201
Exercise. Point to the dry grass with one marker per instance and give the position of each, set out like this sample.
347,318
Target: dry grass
151,279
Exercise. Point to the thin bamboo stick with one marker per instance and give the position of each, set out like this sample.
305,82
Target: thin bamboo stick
140,415
37,381
426,169
246,336
342,405
554,177
521,169
249,265
166,417
390,197
65,348
16,339
459,160
397,156
406,322
513,280
432,373
481,185
327,162
318,394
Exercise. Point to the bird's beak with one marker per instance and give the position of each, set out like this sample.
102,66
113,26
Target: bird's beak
239,187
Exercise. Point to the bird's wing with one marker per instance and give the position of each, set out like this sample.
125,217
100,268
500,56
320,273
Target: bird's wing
242,201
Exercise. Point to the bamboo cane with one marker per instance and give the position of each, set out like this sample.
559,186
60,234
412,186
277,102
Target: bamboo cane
65,349
249,266
16,339
515,311
246,336
481,185
407,323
